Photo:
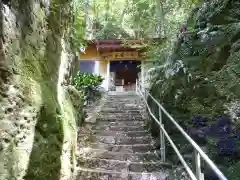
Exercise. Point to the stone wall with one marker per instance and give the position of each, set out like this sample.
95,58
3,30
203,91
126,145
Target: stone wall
37,116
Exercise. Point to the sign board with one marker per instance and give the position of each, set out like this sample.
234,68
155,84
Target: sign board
120,55
125,55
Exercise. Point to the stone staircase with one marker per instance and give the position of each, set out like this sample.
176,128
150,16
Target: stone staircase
118,147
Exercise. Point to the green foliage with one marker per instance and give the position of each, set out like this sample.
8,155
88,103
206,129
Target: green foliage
88,84
78,27
234,171
87,81
188,64
108,19
197,72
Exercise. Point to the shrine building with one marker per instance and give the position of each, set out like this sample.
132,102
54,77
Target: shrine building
119,62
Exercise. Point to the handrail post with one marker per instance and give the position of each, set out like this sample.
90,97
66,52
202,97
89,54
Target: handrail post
136,88
162,138
197,159
144,92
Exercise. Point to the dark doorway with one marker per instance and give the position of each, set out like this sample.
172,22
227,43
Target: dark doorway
125,73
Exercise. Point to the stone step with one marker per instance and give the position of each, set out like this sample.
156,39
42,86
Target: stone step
115,110
103,164
122,96
149,176
136,148
95,174
125,99
133,141
104,154
135,97
116,165
120,128
125,114
117,114
149,167
120,123
123,140
128,105
90,174
119,118
86,149
122,133
122,99
119,106
147,157
123,108
118,94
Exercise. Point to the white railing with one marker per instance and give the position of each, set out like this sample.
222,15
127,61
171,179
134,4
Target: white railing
198,153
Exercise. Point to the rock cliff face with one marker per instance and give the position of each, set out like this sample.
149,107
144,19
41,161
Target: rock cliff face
37,117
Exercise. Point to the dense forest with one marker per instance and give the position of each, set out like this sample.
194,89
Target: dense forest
194,73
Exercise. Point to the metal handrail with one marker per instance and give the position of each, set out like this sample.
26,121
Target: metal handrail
198,152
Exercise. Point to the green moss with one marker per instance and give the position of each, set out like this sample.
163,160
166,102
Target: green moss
37,57
45,160
76,98
56,121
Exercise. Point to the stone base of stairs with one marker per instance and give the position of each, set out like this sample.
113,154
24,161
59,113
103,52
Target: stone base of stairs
118,147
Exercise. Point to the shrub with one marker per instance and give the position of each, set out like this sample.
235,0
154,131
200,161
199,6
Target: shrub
88,84
87,81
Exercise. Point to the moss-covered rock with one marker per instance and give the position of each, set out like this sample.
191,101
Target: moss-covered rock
38,118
